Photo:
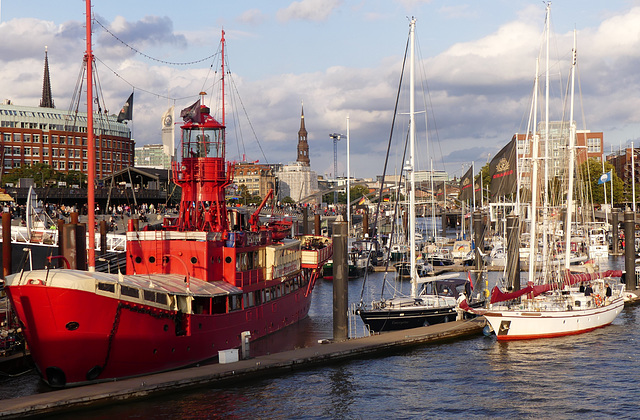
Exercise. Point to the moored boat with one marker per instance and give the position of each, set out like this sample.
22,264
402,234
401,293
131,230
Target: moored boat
192,287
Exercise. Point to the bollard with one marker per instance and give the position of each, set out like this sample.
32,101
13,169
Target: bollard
245,336
629,250
6,244
340,279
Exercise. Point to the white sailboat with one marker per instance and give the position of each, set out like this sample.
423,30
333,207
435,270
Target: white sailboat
436,302
556,306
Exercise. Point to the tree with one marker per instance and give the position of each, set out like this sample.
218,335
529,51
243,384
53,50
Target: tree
288,200
244,193
358,191
591,171
39,172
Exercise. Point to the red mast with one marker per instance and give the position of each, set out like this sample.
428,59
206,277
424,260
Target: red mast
91,256
201,171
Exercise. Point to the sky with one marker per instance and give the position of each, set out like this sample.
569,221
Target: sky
476,65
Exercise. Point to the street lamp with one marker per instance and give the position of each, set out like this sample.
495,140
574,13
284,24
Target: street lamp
335,137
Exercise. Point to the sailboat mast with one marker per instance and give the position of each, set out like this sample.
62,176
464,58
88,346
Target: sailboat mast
545,209
412,139
533,240
572,139
91,157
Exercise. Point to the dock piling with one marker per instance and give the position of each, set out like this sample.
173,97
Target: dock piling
629,250
340,277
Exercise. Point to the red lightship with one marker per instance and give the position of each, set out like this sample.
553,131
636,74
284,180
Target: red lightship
191,287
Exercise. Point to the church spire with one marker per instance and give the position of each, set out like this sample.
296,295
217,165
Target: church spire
47,99
303,146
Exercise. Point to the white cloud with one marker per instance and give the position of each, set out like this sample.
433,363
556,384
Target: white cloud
314,10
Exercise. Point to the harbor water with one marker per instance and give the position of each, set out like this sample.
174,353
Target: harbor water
591,375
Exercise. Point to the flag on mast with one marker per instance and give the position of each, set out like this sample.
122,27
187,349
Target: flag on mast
126,113
606,177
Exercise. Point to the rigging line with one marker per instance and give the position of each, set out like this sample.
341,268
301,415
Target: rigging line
386,161
235,86
159,95
172,63
424,82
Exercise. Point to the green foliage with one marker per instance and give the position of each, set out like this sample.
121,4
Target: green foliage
288,200
40,172
591,171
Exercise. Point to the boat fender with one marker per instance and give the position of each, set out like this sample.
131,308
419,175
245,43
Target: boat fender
487,330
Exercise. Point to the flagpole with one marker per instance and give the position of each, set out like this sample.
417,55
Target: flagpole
604,186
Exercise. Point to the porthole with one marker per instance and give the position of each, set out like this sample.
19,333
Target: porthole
227,260
194,260
138,260
166,327
72,326
152,259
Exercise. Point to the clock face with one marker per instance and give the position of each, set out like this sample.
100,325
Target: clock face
168,120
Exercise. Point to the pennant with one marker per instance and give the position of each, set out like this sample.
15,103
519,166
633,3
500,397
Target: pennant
126,113
362,201
191,113
606,177
503,171
469,279
168,131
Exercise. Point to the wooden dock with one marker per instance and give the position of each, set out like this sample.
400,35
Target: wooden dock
73,399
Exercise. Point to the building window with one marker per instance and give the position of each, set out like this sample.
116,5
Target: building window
36,138
54,139
45,139
36,151
593,145
16,136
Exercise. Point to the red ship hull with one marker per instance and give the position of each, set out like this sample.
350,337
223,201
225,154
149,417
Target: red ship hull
116,338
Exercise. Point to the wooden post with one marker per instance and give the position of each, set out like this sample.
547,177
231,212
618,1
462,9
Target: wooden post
6,244
340,279
630,250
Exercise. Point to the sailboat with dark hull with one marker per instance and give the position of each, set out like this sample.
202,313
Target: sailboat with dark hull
191,289
437,300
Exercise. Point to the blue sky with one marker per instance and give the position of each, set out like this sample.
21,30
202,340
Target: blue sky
341,58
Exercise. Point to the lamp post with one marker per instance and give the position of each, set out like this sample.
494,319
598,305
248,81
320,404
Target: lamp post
335,137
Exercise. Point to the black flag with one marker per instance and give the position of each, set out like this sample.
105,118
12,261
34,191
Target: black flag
466,185
191,113
503,170
126,113
439,191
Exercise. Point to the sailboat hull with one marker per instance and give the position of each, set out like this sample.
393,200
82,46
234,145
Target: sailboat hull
393,320
525,325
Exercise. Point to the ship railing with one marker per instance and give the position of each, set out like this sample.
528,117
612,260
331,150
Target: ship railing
357,329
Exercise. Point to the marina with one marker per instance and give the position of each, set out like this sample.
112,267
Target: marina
197,279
